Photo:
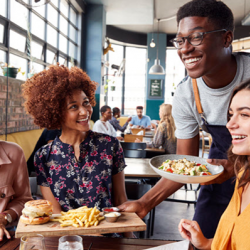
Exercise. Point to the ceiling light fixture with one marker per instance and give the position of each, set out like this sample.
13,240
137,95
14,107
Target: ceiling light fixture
157,69
152,44
33,3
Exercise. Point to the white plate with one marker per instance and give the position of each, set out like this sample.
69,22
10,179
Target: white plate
157,161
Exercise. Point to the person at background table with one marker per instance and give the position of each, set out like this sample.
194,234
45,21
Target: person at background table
234,227
14,186
115,123
81,167
140,120
103,126
204,45
164,135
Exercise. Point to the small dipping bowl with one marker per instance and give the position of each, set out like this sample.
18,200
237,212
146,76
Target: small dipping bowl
112,216
107,210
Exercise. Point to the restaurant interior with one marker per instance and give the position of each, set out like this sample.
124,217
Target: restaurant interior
125,47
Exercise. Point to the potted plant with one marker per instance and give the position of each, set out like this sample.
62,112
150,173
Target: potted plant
10,70
112,87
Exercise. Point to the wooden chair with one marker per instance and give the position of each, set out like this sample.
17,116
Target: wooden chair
135,131
131,138
134,149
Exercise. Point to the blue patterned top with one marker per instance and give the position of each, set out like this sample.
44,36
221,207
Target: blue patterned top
87,181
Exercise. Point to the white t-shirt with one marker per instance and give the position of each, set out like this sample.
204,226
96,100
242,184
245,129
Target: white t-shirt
104,128
214,102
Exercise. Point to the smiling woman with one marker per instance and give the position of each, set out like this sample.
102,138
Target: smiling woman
81,167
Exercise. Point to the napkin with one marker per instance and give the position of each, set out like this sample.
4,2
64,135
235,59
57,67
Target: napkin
140,133
183,245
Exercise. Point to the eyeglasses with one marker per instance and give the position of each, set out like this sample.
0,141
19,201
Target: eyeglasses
194,39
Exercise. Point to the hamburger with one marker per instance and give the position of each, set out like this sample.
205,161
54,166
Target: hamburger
36,212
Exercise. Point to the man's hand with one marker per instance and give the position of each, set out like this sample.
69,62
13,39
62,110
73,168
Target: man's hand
135,207
227,173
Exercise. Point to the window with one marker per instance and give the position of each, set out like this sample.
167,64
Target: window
135,78
37,26
175,72
17,41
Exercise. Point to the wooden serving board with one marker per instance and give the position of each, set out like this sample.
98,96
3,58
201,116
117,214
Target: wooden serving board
127,222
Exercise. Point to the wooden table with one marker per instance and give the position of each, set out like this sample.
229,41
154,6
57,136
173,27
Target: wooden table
139,168
98,243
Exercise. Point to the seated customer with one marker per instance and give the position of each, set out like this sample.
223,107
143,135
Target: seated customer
164,135
103,126
46,137
14,185
81,167
233,229
115,123
140,121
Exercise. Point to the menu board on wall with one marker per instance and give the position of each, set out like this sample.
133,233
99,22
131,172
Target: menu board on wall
155,88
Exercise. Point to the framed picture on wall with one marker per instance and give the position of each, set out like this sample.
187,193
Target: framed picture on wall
155,89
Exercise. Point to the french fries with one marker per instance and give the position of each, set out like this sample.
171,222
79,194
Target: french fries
80,217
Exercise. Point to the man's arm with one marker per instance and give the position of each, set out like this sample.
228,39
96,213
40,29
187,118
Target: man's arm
164,188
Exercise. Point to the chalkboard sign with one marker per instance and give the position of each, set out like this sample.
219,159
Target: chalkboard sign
155,88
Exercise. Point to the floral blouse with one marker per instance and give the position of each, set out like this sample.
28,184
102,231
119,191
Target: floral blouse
87,181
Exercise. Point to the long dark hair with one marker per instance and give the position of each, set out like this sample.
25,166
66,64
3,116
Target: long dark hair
241,162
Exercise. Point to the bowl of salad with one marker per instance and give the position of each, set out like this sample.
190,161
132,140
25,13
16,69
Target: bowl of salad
185,168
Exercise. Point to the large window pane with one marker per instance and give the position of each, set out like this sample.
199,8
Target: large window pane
18,14
40,10
1,32
37,26
19,62
72,16
17,41
135,79
72,33
38,67
52,36
72,50
63,25
55,2
62,44
175,72
3,8
36,50
64,7
52,15
62,61
50,57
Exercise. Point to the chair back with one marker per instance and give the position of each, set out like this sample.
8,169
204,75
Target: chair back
131,138
135,131
133,149
135,191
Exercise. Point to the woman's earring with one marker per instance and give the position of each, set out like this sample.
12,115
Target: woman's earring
116,116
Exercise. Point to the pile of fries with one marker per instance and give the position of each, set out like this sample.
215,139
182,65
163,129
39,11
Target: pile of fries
80,217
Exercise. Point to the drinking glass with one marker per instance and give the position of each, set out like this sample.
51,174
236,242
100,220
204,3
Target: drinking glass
70,242
32,242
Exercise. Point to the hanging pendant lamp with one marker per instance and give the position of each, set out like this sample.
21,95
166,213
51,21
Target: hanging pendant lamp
33,3
157,69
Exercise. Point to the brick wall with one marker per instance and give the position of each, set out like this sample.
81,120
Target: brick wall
17,119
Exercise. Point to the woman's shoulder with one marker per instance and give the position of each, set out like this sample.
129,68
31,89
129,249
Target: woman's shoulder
11,147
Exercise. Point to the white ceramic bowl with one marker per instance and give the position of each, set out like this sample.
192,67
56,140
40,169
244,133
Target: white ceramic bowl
157,161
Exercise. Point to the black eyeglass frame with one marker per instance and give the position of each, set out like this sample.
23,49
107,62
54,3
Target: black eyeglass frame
173,41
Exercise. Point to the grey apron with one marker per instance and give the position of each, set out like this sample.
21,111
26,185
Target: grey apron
213,199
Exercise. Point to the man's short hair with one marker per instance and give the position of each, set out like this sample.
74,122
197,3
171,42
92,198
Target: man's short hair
216,11
139,107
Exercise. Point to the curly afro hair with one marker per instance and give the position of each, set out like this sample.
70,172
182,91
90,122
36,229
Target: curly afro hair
216,11
46,93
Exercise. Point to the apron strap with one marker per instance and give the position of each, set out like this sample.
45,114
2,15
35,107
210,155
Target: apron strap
197,97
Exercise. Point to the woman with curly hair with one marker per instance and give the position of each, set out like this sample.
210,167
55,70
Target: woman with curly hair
80,167
233,229
164,135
